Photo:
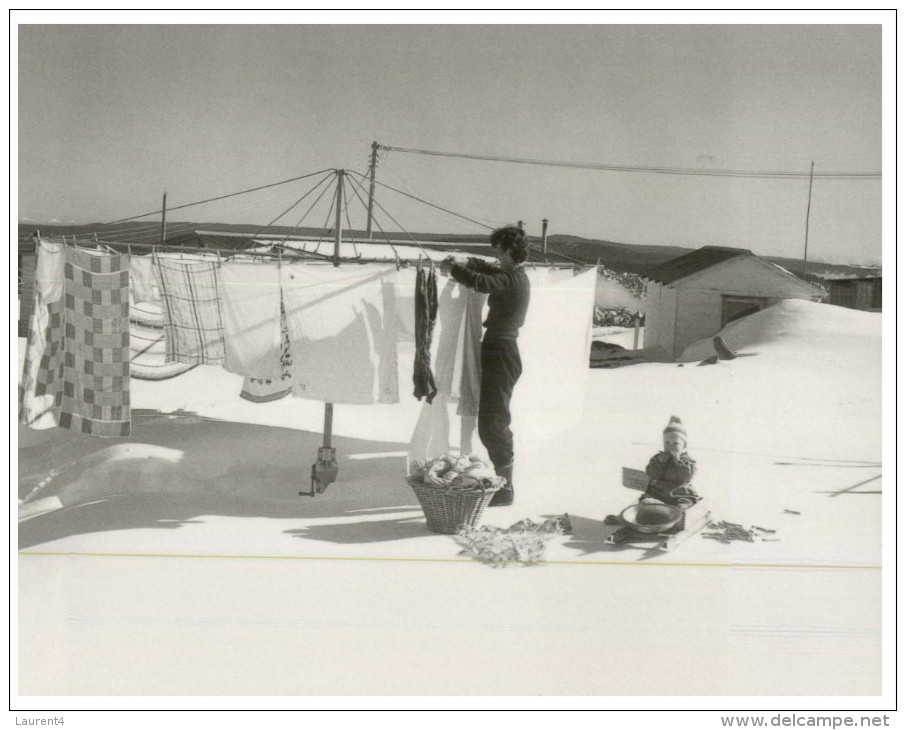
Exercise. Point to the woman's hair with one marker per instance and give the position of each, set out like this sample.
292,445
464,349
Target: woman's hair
511,240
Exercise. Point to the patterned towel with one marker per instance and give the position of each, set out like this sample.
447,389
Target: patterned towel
264,390
85,362
38,409
191,309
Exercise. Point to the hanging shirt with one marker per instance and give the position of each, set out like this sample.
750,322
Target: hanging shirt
342,332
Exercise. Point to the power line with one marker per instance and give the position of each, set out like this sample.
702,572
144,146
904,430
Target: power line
641,168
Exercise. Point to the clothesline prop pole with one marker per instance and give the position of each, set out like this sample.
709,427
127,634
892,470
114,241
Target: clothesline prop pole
324,470
338,227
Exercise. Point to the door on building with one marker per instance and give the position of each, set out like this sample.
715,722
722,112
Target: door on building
738,307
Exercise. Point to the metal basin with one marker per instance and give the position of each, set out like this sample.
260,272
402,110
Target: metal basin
651,518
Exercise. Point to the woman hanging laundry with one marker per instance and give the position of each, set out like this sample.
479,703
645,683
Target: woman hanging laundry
508,292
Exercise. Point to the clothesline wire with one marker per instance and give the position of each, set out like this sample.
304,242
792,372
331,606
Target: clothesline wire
333,199
304,196
433,205
250,204
348,221
219,197
154,234
398,225
374,219
391,178
650,169
130,229
311,207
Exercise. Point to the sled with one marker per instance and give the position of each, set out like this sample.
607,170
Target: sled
692,521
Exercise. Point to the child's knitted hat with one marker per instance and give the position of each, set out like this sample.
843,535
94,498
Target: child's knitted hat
676,426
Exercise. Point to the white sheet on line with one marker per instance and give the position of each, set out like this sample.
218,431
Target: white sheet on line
250,309
342,328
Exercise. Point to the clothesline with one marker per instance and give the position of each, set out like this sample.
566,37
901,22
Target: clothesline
288,252
283,329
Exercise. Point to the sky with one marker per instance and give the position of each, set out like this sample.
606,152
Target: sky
112,116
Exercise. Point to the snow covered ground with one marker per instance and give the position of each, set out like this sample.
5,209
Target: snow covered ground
189,545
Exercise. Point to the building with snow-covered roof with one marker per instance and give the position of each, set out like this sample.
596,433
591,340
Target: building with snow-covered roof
854,292
697,294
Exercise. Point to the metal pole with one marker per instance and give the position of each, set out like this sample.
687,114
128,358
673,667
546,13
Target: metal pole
325,469
338,239
808,209
163,220
328,424
544,235
374,151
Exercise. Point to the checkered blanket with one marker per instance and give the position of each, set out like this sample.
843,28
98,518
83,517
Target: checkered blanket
84,363
190,297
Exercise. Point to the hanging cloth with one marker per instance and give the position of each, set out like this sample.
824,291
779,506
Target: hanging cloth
425,317
469,379
37,395
342,329
85,365
263,390
470,359
191,310
554,345
456,371
141,280
250,308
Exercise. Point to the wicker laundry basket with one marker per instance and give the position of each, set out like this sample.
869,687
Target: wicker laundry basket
448,509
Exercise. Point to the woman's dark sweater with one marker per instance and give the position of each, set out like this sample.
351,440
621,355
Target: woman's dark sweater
508,295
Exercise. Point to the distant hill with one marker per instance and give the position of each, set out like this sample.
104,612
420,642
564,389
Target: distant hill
620,257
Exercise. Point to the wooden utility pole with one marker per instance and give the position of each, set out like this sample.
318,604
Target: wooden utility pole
373,172
163,220
808,209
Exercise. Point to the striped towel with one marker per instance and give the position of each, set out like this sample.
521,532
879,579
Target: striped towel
85,361
190,299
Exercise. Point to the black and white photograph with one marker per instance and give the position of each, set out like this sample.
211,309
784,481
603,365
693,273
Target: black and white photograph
453,359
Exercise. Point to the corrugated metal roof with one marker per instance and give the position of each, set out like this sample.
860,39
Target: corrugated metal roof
691,263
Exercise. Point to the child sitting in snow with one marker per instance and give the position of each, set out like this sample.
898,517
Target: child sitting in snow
670,471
